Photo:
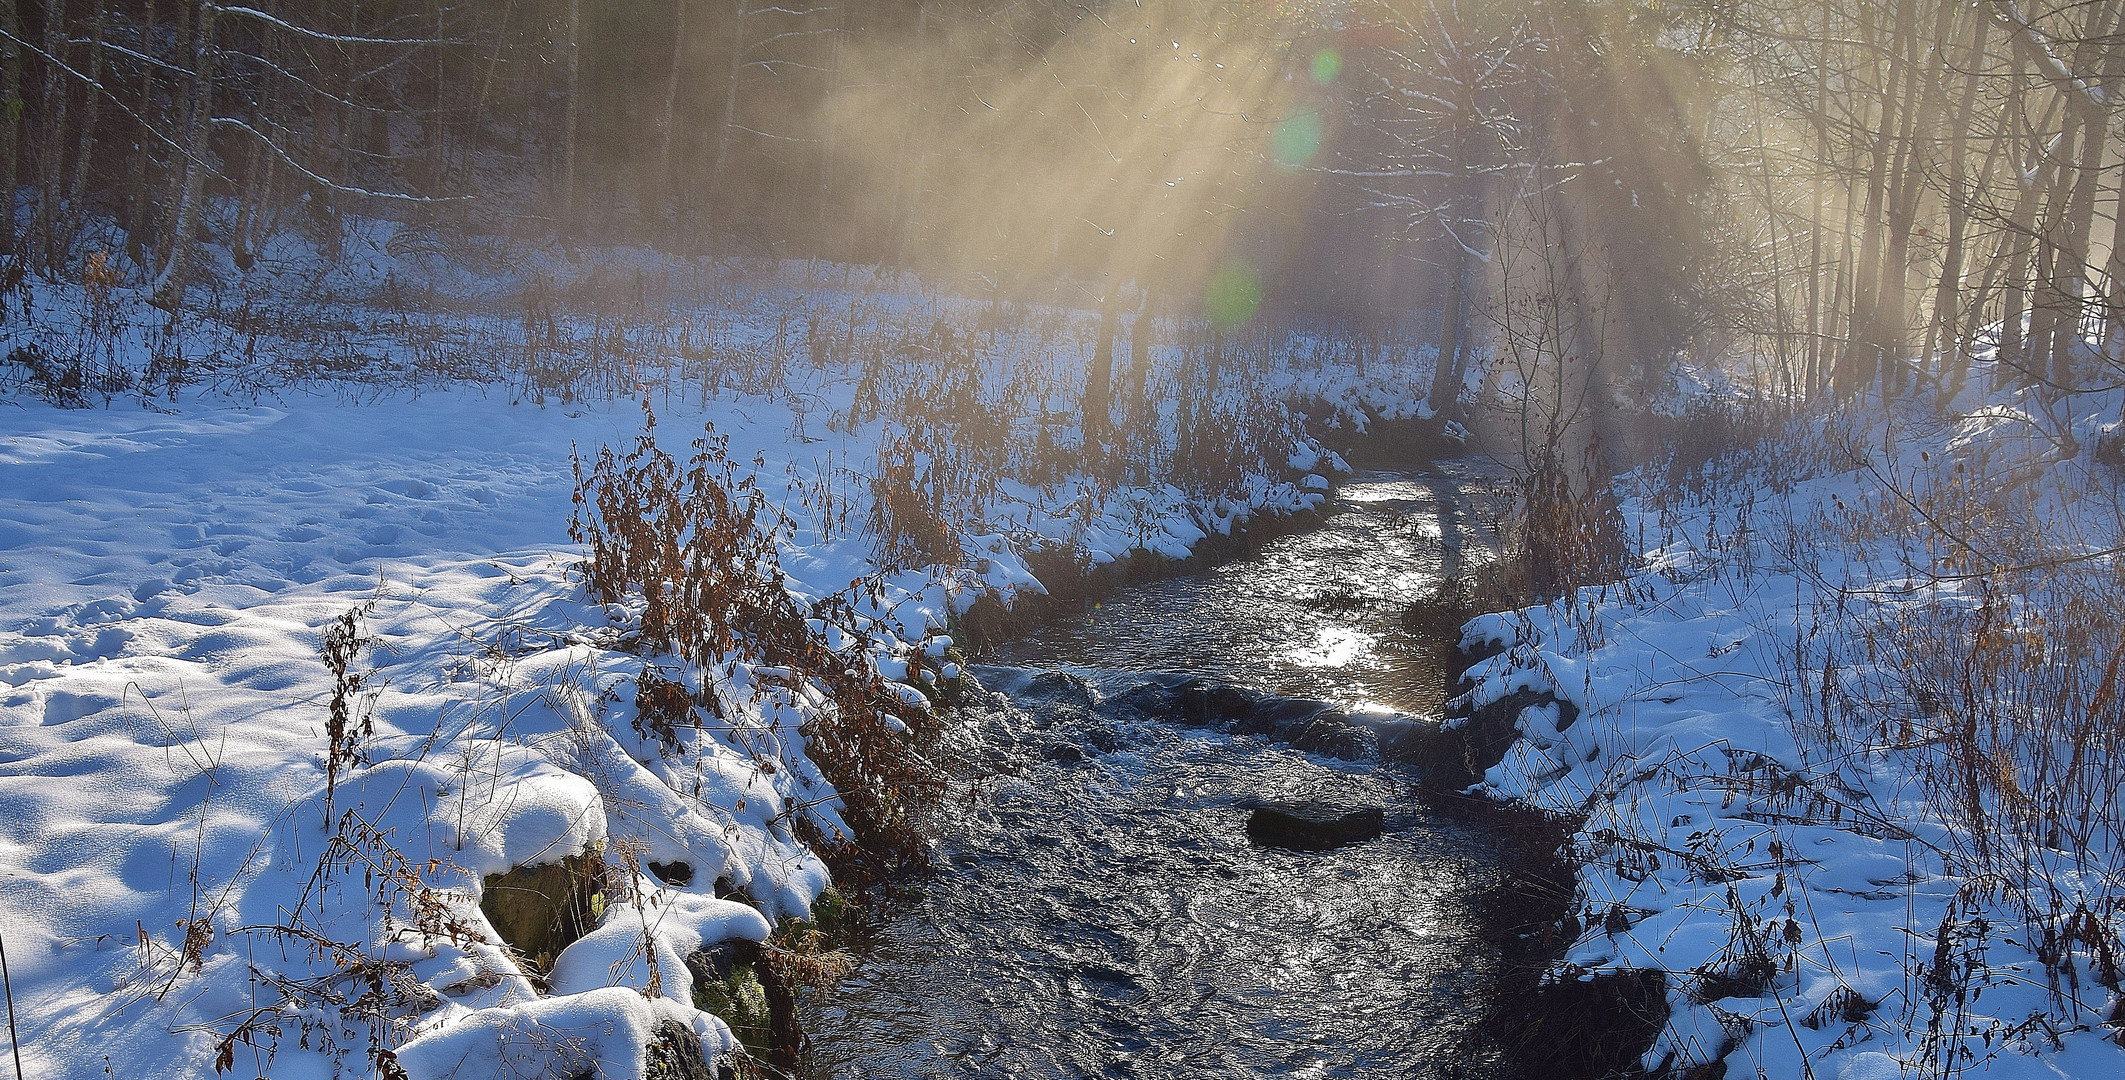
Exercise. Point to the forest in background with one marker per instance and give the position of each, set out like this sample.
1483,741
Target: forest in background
1809,227
1857,194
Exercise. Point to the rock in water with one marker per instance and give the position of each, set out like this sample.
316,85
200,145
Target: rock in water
1313,827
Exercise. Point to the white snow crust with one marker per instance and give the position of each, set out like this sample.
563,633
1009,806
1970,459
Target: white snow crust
1689,766
175,884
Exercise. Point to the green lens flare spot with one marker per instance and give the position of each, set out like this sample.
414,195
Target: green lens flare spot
1296,140
1234,293
1327,64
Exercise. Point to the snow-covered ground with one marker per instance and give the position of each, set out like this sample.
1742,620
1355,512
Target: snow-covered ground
190,878
1763,738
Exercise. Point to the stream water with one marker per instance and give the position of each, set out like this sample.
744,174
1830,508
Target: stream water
1098,909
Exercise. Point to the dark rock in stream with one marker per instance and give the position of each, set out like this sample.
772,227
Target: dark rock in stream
1063,754
1207,704
1332,732
1312,826
1060,686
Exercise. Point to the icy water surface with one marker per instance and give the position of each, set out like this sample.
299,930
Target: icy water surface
1314,615
1098,910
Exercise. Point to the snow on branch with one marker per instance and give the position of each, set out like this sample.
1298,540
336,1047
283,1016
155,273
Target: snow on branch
107,95
2038,45
320,35
395,196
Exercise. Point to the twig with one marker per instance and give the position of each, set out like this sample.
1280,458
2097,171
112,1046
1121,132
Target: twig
7,984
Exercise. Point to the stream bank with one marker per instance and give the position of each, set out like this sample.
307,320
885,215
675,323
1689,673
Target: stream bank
1389,445
1099,907
1072,584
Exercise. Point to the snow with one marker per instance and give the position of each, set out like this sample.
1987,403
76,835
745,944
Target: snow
172,867
601,1033
183,865
673,924
1713,821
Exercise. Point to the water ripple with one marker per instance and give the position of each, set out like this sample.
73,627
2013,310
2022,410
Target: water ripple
1103,913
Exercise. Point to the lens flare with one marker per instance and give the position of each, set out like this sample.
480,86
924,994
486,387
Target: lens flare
1235,291
1327,64
1296,140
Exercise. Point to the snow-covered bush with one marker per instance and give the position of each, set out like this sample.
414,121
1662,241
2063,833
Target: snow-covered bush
695,552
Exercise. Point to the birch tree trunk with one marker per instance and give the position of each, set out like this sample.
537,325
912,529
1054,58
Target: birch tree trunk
52,147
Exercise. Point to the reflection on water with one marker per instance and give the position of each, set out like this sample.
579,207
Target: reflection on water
1333,648
1316,615
1098,910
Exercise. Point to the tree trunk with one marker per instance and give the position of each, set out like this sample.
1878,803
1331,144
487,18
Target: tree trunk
2114,305
2113,313
2076,277
1780,323
1184,401
58,92
659,207
2047,297
10,121
249,198
1921,101
1946,296
1099,381
1919,166
140,196
1816,323
91,104
1863,359
169,285
1140,330
1447,375
573,115
907,183
438,127
2072,268
2015,246
837,245
726,123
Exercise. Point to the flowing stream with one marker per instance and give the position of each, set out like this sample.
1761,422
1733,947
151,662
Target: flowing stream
1098,909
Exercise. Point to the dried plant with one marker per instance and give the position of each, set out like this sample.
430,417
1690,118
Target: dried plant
350,719
699,546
